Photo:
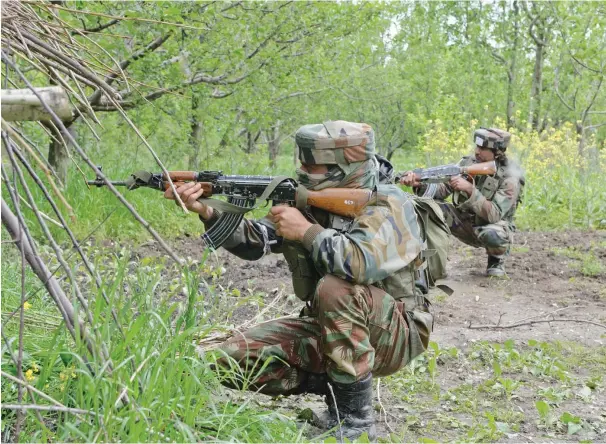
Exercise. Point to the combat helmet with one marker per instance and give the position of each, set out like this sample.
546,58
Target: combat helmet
335,143
492,138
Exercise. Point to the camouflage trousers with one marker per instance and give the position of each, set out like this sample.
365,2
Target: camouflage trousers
359,329
495,238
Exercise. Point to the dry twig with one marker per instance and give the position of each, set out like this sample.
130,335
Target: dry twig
541,321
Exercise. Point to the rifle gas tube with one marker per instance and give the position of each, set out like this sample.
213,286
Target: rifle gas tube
242,192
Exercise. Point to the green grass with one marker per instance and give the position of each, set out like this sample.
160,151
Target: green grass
494,391
587,262
174,395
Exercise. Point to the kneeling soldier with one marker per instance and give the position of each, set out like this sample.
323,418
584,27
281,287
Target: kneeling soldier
481,214
365,315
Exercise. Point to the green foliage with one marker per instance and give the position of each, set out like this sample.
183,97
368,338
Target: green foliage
587,262
173,393
483,393
247,75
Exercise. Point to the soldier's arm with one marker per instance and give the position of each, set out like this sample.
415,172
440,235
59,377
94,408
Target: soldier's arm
443,190
381,242
493,210
251,239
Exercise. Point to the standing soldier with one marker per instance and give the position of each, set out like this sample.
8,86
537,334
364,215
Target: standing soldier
481,213
365,314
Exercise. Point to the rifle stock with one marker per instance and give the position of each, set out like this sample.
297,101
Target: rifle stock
480,169
340,201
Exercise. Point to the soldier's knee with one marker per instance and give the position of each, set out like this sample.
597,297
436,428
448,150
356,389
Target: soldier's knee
493,238
331,290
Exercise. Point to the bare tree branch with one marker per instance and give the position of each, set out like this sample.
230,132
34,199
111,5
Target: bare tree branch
592,101
535,19
198,78
97,28
592,127
298,94
556,85
150,47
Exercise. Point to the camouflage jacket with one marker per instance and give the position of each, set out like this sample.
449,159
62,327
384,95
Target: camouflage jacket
494,198
378,247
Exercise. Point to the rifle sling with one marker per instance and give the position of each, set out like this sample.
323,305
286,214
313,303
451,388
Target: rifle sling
301,199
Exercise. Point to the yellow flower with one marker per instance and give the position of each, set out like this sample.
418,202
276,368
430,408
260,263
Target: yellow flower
27,305
29,375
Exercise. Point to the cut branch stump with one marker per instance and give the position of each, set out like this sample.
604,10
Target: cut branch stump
22,104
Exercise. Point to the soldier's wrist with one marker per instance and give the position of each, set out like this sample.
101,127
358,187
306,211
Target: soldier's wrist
206,214
310,235
210,218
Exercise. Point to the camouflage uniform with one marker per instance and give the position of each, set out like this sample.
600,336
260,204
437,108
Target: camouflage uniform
364,313
485,219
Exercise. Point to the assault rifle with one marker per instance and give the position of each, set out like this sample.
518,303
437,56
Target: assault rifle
442,174
243,191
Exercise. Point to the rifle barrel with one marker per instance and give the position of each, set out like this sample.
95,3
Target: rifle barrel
100,183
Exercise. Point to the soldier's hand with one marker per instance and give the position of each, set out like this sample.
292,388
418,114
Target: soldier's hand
410,179
458,183
189,193
290,222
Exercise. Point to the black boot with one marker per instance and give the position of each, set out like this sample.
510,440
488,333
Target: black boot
355,410
496,266
314,383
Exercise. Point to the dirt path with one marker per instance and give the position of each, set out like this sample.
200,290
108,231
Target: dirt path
468,388
544,277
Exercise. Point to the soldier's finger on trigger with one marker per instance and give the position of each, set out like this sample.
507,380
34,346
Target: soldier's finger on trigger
197,194
188,192
192,198
184,195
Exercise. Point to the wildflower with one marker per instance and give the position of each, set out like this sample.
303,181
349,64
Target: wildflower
27,305
29,375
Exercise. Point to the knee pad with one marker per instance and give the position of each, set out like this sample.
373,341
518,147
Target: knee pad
491,238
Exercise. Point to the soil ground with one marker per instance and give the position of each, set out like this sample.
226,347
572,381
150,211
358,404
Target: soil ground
477,384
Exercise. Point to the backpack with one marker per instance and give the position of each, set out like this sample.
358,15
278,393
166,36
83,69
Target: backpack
434,229
436,239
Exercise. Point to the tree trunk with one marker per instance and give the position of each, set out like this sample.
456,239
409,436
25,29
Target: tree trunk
273,143
511,76
580,127
250,143
58,156
537,86
195,136
538,31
